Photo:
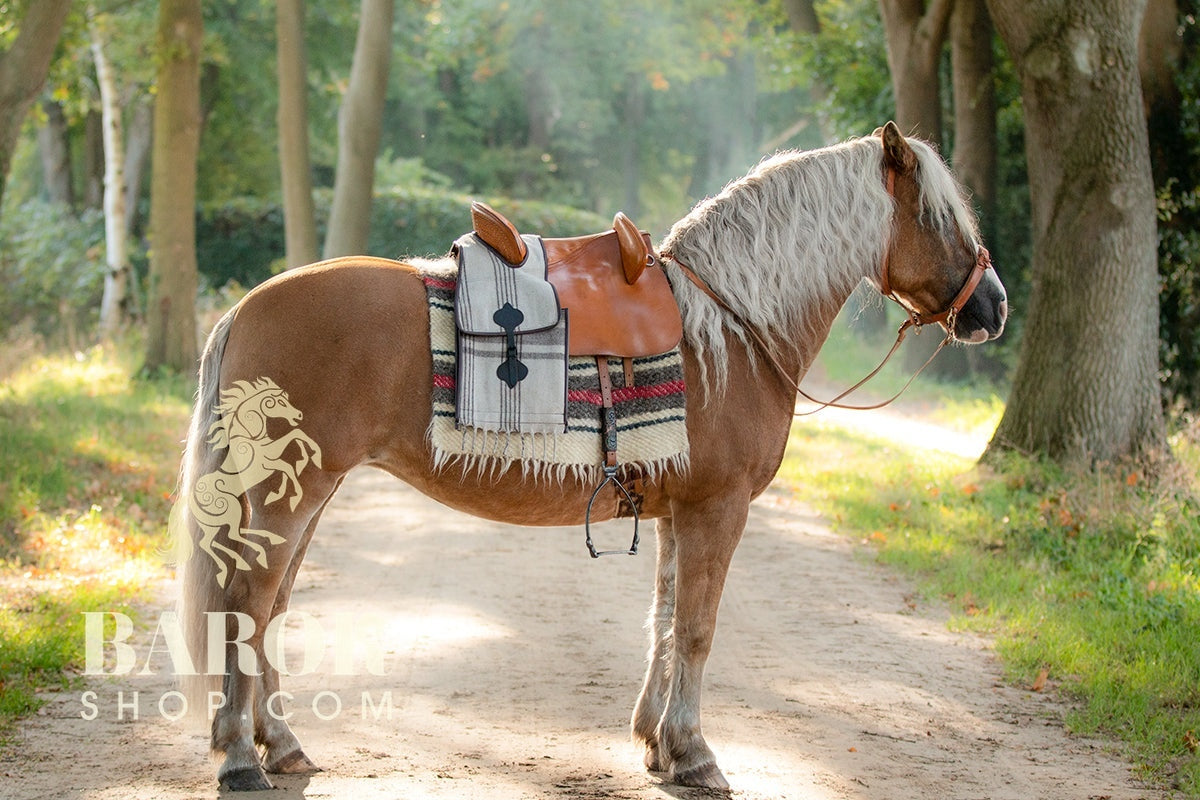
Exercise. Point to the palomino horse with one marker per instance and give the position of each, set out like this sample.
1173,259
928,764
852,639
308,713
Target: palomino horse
348,340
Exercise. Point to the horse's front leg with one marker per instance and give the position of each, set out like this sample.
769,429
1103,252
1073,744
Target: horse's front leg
706,534
653,698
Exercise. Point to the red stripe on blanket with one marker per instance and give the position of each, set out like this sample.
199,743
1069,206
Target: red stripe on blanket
625,395
443,381
438,283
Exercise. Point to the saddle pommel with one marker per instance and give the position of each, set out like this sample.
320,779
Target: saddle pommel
635,254
498,233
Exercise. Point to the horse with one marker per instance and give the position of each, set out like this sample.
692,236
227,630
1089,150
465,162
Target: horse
759,272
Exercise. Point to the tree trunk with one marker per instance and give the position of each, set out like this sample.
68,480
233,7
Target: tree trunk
632,115
55,153
1159,49
360,123
1086,387
93,160
915,34
171,305
137,155
973,69
116,253
23,70
299,215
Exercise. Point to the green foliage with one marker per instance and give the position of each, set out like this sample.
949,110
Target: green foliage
88,459
51,268
242,240
41,642
1091,578
1175,140
849,59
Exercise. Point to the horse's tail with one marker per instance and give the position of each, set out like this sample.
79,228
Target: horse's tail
199,589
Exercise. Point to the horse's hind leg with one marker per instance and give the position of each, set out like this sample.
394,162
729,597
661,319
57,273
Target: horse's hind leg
653,698
706,535
282,752
253,593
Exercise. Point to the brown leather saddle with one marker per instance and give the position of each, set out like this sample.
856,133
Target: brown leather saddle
616,294
619,303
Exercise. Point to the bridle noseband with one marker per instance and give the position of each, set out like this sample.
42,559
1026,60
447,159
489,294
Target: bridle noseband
915,320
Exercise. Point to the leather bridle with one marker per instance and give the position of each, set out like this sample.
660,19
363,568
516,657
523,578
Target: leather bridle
983,262
916,319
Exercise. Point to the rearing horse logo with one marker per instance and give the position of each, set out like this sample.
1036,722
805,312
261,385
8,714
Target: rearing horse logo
252,458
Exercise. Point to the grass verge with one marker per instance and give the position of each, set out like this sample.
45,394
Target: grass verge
1089,583
88,459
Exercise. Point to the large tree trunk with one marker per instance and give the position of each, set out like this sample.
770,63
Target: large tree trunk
23,70
915,33
171,305
55,152
1086,387
360,124
116,253
299,215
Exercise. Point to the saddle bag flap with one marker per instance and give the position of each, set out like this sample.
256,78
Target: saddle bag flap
497,298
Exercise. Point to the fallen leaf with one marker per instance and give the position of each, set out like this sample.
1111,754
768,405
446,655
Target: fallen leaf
1039,682
1190,741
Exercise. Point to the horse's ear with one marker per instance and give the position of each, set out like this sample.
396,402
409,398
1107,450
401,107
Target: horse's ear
897,153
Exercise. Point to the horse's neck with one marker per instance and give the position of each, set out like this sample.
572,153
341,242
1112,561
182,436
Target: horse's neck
774,375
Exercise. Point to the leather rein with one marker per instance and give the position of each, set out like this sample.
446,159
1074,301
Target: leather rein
915,320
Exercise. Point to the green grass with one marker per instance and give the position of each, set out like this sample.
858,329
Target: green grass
88,458
1092,579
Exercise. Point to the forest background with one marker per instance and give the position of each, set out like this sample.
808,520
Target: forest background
159,155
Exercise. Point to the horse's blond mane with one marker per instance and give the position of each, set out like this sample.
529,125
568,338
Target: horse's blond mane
801,228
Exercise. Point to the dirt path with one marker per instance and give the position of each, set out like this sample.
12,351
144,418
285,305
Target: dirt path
512,662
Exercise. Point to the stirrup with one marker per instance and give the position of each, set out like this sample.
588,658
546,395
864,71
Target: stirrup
610,476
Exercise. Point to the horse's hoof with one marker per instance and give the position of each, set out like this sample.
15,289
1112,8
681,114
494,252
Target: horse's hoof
705,776
652,759
245,779
294,763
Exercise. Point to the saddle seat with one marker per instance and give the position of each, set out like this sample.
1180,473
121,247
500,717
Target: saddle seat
616,294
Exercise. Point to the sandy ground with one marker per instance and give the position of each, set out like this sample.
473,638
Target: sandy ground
512,661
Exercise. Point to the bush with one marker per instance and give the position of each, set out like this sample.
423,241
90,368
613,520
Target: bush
243,241
51,268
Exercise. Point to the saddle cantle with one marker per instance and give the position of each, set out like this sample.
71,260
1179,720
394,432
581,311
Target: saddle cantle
616,294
